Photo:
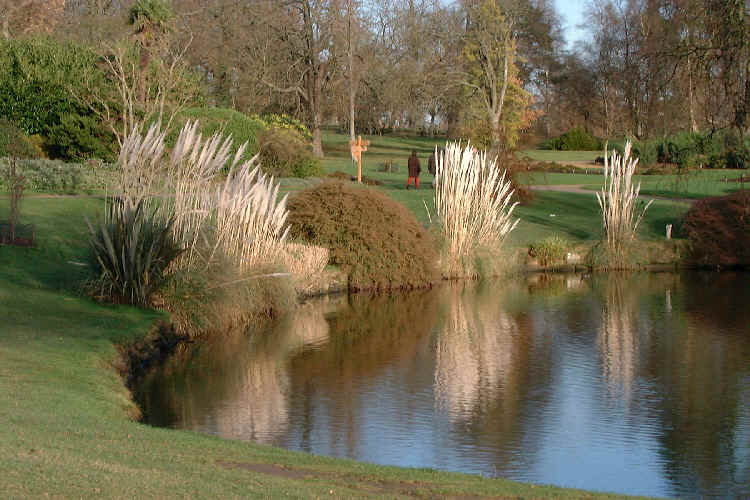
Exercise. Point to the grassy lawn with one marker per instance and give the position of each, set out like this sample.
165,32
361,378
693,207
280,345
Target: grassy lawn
559,156
576,218
66,431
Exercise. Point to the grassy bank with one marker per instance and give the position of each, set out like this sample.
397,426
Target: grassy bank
67,433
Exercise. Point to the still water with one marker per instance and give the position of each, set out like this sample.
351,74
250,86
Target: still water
633,383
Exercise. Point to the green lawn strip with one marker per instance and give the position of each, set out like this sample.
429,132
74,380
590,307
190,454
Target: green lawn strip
547,155
576,217
66,431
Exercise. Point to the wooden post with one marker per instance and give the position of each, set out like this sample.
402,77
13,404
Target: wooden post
669,231
356,148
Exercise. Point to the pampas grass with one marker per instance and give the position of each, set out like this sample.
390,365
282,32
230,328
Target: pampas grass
224,215
617,201
473,205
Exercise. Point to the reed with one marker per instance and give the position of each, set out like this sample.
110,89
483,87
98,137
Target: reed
617,201
473,202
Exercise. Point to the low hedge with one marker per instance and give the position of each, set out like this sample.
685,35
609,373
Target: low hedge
55,176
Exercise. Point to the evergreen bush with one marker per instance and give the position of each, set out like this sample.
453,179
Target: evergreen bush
576,139
14,143
377,241
283,153
37,78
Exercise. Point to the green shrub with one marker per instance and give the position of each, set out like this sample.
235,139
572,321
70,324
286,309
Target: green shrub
718,229
224,121
130,253
284,122
55,176
14,143
377,241
283,153
576,139
37,76
549,250
647,152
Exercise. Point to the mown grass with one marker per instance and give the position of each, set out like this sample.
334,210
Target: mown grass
576,217
66,431
559,156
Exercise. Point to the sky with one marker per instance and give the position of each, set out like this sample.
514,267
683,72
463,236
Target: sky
571,12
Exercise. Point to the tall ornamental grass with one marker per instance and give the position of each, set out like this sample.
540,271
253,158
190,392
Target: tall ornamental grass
221,212
617,201
473,202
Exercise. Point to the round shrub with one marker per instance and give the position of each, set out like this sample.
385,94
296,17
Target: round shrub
14,143
377,241
576,139
283,153
719,230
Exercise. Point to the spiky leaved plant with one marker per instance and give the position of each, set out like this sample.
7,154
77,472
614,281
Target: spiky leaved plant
473,202
617,201
131,250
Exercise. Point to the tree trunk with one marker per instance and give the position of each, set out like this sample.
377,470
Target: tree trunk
350,55
495,131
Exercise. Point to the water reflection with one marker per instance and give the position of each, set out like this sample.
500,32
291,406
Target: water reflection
630,383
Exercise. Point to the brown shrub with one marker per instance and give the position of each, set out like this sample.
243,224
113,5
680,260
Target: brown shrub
719,230
377,241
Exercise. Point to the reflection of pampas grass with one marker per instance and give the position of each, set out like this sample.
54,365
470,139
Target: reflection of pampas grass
473,204
617,336
617,201
478,354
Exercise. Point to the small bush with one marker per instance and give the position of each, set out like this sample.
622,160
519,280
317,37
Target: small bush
549,250
375,240
14,143
718,229
284,122
130,252
576,139
283,153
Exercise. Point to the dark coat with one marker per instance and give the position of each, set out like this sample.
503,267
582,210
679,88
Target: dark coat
431,164
414,166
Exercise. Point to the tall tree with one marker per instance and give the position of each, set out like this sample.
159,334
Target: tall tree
490,52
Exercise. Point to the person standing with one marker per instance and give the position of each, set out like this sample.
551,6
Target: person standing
431,167
414,169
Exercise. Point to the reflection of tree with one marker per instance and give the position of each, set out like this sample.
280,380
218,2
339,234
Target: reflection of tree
703,369
685,338
372,335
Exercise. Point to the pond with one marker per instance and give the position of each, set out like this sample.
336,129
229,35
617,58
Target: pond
629,383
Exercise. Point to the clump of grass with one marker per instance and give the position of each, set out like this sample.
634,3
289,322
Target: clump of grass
375,240
549,250
231,233
473,202
617,201
131,248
